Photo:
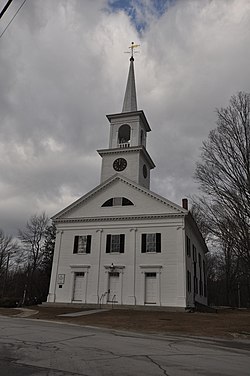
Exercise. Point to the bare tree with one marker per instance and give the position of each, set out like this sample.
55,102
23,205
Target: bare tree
8,248
224,177
224,170
33,239
48,249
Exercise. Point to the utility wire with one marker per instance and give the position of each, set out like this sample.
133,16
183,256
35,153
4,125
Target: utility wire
12,18
5,8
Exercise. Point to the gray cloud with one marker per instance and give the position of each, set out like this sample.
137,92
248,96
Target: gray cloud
62,69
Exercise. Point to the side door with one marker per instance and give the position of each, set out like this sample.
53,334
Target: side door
150,288
114,283
79,287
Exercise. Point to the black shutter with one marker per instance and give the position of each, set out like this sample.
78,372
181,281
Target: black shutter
143,243
75,249
88,244
122,240
108,242
158,242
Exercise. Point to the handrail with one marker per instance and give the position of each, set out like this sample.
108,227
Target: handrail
124,145
102,297
112,301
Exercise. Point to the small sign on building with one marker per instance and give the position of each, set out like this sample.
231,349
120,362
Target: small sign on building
60,279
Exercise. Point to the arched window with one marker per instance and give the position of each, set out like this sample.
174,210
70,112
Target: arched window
108,202
118,201
124,135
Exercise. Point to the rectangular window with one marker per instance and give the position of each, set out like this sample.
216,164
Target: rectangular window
195,285
188,246
205,289
204,271
200,276
82,244
115,243
114,274
189,283
151,243
204,279
200,287
152,275
194,254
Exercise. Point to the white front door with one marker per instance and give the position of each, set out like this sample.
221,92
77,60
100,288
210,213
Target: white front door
113,290
150,288
79,287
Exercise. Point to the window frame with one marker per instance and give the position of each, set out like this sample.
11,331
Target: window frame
124,134
117,202
87,247
189,281
157,242
194,254
109,242
188,246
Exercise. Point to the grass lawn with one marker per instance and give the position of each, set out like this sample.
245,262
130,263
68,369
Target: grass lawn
226,323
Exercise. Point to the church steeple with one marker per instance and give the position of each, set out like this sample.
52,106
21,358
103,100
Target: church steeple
127,154
130,102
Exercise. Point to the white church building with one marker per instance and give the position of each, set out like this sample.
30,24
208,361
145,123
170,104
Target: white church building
121,243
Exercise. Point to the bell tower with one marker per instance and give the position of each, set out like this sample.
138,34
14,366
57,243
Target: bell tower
127,154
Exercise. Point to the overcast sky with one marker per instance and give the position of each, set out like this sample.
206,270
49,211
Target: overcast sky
63,68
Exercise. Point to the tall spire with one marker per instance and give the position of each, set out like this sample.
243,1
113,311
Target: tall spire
130,102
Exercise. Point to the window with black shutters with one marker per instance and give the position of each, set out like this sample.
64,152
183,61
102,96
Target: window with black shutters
115,243
82,244
151,243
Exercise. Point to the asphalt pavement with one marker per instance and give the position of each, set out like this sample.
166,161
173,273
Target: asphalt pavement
39,348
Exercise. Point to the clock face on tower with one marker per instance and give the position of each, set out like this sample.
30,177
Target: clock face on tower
120,164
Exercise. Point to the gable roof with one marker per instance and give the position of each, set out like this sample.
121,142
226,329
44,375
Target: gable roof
110,182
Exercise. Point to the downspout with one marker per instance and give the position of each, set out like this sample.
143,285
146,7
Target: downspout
184,261
185,206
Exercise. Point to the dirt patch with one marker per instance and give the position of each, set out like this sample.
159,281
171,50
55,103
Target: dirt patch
225,323
8,311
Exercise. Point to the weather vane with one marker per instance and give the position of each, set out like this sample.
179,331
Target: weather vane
132,47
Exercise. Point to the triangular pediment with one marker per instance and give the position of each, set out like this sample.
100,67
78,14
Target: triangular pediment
145,202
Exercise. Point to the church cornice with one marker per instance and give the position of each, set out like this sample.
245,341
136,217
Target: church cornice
120,218
132,149
123,115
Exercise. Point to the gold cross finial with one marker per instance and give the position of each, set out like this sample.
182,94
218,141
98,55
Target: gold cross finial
132,48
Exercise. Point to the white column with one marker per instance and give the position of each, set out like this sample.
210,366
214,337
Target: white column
100,231
134,230
53,281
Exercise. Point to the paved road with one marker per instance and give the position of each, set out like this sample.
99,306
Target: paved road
37,348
